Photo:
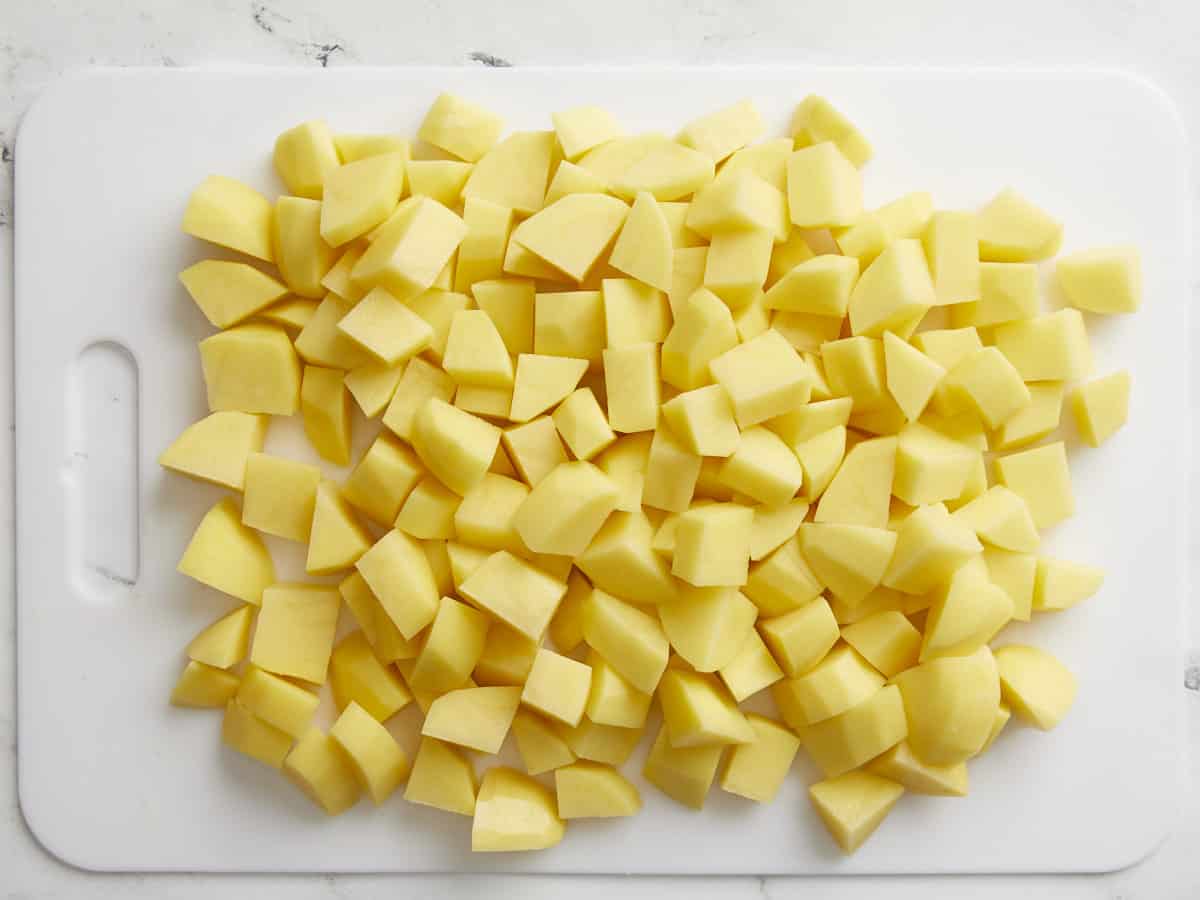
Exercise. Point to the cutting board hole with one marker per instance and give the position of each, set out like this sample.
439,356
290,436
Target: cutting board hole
101,471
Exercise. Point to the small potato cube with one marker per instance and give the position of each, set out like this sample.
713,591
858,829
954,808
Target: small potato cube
930,467
439,179
713,545
820,457
849,559
1015,574
855,368
782,582
629,640
703,420
1008,292
687,275
481,254
644,249
277,701
386,328
736,266
611,699
452,649
1011,229
756,770
590,790
671,473
251,369
820,286
816,120
720,133
966,615
988,384
280,496
534,449
1035,421
474,717
912,376
325,406
951,243
631,375
800,639
766,159
1101,407
507,657
356,675
438,307
322,343
864,240
201,685
1105,280
751,670
582,424
420,383
514,812
304,156
853,805
557,686
861,490
569,323
811,419
245,733
454,445
411,249
359,196
1060,584
682,773
670,171
707,626
886,639
698,711
1052,347
485,518
703,331
1042,479
859,734
582,128
441,777
226,555
475,352
383,479
901,765
215,448
295,630
510,304
539,743
378,761
764,377
931,545
620,560
774,525
515,592
398,573
428,512
573,232
763,467
602,743
460,127
950,704
740,201
565,509
893,289
824,188
223,643
228,292
634,313
1001,518
841,680
543,382
1037,687
230,214
572,179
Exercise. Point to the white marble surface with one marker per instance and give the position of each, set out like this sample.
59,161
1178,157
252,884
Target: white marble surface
41,40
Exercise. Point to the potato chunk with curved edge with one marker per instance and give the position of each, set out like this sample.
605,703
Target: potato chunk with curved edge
252,369
442,777
379,762
853,805
226,555
950,704
1038,687
225,212
565,510
514,812
591,790
707,626
478,718
215,448
228,292
318,767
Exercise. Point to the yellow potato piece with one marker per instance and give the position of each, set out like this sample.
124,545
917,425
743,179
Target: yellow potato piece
1011,229
611,699
254,737
1037,686
510,304
379,763
1101,407
460,127
950,704
629,640
565,509
669,171
420,382
398,572
534,449
861,490
886,639
631,375
736,265
337,539
713,545
702,332
557,686
966,615
951,243
353,147
1008,292
912,376
756,770
304,156
357,675
1041,478
707,626
226,555
443,778
411,249
439,179
215,449
901,765
1103,280
644,249
294,635
590,790
541,747
454,445
865,730
475,717
507,656
251,369
1059,584
277,701
782,581
280,496
515,592
202,686
931,545
849,559
569,323
698,711
360,195
514,812
799,639
543,382
824,188
682,773
514,172
671,473
230,214
582,128
228,292
853,805
1015,573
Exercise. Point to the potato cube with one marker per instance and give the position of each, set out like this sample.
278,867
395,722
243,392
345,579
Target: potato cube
475,352
280,496
751,669
687,275
1008,292
820,457
439,179
557,686
698,711
223,643
782,581
707,626
1001,518
543,382
326,409
670,171
454,445
201,685
277,701
703,421
228,292
643,249
740,201
736,265
774,525
850,559
337,279
474,717
713,545
304,156
507,657
1101,407
1103,280
820,286
930,467
481,254
1052,347
565,509
541,747
215,448
379,763
230,214
452,649
589,790
951,243
841,680
251,369
800,639
859,734
931,545
1011,229
460,127
682,773
620,560
360,195
763,467
226,555
386,328
383,479
816,120
1037,686
893,289
629,640
1042,479
356,675
720,133
861,490
632,377
534,449
582,128
486,516
1060,584
901,765
703,331
855,368
886,639
764,377
824,188
322,343
572,179
515,592
245,733
514,812
337,539
570,323
966,615
950,704
428,512
510,304
811,419
988,384
601,743
572,233
611,699
671,472
398,573
441,777
634,312
411,249
295,630
1015,574
853,805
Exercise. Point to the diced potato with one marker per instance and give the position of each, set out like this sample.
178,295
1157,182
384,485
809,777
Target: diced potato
573,232
570,323
411,249
254,737
966,615
1008,292
439,179
589,790
911,376
736,265
703,420
643,249
383,479
507,657
824,188
602,743
756,770
492,402
820,457
534,449
1003,714
280,496
566,628
800,639
201,685
861,490
850,559
816,120
931,545
763,467
930,467
583,128
277,701
886,639
631,374
893,289
373,385
774,525
356,675
687,275
1042,479
703,331
764,378
1037,687
514,812
707,626
1011,229
987,384
855,368
810,420
388,329
1103,280
541,747
378,761
557,686
572,179
454,445
820,286
226,555
566,509
839,681
543,382
485,518
720,133
951,243
859,734
228,292
713,545
515,592
671,472
1015,574
510,304
230,214
326,409
295,629
475,352
1001,518
304,156
215,448
1101,407
223,643
853,805
611,699
477,717
322,343
950,704
901,766
441,777
629,640
751,669
1060,584
625,463
359,196
1052,347
251,369
398,573
452,649
682,773
741,201
337,539
698,711
634,312
782,581
353,147
460,127
669,171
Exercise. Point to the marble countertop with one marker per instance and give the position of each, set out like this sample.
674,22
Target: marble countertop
40,41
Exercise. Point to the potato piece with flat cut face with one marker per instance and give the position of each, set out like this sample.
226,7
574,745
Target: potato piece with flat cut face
476,717
853,805
1104,280
251,369
228,292
514,812
950,704
1036,685
226,555
643,249
230,214
304,156
442,777
215,448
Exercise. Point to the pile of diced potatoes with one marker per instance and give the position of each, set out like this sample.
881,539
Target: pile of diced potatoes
675,420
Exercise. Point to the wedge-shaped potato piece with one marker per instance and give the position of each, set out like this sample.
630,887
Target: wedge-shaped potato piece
280,495
325,406
337,539
1008,292
478,718
774,525
319,767
359,196
386,328
800,639
735,268
515,592
931,545
708,626
611,699
454,445
1001,518
569,323
703,331
1042,479
539,743
439,179
911,376
682,773
634,312
820,286
987,384
485,518
1060,584
764,378
951,243
565,510
452,649
534,449
304,156
816,120
820,456
861,490
1036,685
966,615
669,171
356,675
901,765
590,790
294,635
1052,347
223,643
247,734
853,805
428,512
698,711
741,201
572,179
353,147
620,560
292,313
230,214
507,657
950,704
215,448
702,419
763,467
1011,229
893,289
322,343
824,188
441,777
751,669
398,573
228,292
687,275
644,249
720,133
625,463
543,382
885,639
475,353
782,581
226,555
841,680
859,734
277,701
557,686
301,253
378,761
1101,407
930,467
460,127
201,686
712,545
634,391
1103,280
850,559
251,369
514,173
1015,573
629,640
583,128
602,743
514,812
383,479
756,770
411,249
855,368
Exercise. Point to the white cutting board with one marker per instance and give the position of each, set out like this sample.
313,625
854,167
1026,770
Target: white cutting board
111,777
